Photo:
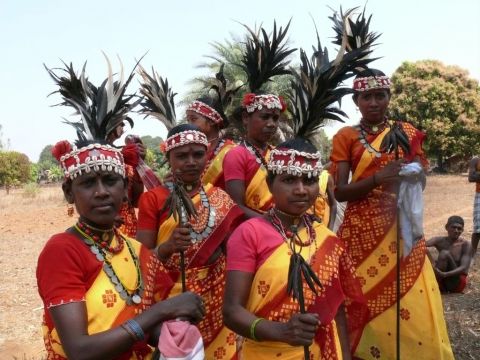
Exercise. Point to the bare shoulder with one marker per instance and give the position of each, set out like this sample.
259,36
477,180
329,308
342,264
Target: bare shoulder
466,246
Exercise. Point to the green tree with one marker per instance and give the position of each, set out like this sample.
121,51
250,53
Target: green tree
14,169
441,100
46,155
323,144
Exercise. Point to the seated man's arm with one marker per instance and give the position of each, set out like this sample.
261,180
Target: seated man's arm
464,261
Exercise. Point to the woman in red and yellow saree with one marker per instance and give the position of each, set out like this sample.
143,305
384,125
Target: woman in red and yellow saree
202,239
257,303
245,166
326,206
99,288
370,229
208,115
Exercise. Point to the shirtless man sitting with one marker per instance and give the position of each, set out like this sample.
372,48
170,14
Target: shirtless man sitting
455,254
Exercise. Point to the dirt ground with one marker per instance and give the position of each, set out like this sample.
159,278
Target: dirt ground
26,223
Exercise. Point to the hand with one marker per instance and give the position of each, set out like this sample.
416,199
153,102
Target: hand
389,173
186,305
180,240
439,273
301,329
168,177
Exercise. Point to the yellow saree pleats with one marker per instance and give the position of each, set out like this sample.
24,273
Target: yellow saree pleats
257,195
370,232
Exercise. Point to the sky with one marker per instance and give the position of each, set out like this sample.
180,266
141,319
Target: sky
177,35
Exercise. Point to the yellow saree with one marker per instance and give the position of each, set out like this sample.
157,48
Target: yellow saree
370,232
105,308
257,195
269,299
213,173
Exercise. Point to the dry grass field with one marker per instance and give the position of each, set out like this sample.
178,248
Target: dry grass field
26,223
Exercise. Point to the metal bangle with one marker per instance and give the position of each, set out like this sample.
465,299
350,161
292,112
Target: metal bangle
136,328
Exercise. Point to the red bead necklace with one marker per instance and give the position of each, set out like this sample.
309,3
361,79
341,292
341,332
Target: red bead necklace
103,241
292,234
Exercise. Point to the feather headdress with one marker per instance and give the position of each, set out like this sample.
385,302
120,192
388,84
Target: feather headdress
158,98
317,84
102,108
265,58
214,107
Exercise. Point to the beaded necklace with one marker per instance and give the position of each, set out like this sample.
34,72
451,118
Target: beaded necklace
102,255
213,154
104,240
205,222
254,151
363,132
289,235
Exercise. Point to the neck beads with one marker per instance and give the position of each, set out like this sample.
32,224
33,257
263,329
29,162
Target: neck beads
100,246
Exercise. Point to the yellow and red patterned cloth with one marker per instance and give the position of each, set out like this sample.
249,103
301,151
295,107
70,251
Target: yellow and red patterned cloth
369,230
68,271
257,247
203,278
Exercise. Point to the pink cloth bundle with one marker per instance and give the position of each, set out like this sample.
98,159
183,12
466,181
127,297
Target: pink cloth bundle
180,340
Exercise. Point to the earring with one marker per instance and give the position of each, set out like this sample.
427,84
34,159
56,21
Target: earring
70,210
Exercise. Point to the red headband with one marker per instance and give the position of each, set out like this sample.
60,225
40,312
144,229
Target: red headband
371,83
96,157
294,162
207,111
252,102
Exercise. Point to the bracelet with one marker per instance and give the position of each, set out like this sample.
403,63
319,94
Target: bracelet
135,328
252,328
129,331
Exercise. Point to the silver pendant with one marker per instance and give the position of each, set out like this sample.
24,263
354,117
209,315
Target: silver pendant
124,295
378,154
115,280
136,299
100,257
119,288
94,250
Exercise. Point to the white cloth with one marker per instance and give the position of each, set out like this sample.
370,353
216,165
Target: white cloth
410,207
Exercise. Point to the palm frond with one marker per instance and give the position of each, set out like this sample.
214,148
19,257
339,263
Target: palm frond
158,98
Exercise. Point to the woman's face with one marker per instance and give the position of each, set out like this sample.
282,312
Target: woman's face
187,162
205,125
98,196
373,105
294,195
261,125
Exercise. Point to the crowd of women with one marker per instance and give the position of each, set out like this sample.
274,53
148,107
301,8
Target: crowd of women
233,255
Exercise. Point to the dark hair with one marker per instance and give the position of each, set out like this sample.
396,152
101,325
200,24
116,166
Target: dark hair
182,127
215,105
366,73
299,144
455,219
82,143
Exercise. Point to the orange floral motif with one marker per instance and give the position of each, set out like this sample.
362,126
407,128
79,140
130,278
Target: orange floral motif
362,280
263,288
220,353
393,247
404,314
109,298
256,200
231,338
383,260
372,271
375,352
